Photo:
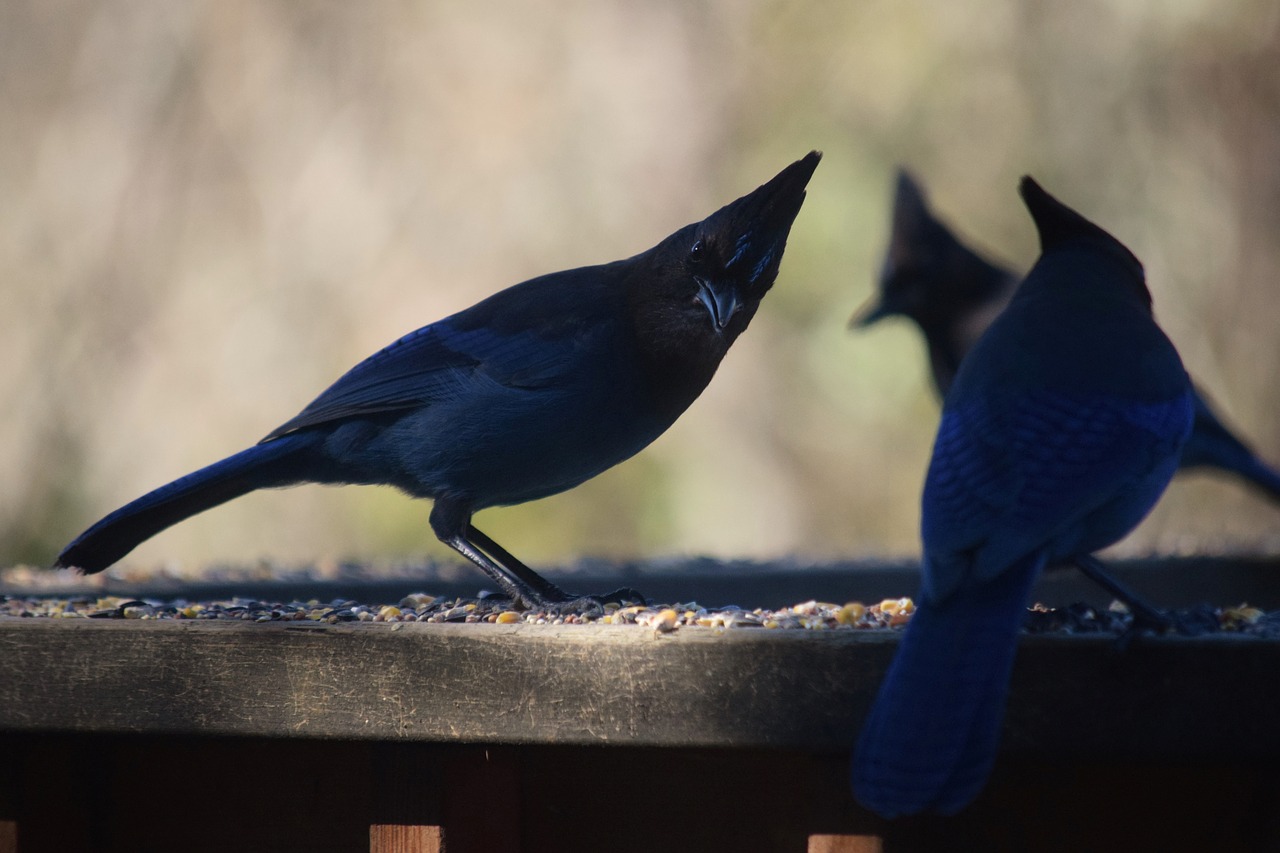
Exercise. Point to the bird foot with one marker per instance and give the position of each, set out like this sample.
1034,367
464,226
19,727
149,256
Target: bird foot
623,595
562,603
1187,623
1144,619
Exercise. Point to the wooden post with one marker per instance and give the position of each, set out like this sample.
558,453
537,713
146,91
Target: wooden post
405,813
845,844
395,838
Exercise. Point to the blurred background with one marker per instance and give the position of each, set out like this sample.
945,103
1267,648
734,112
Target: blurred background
209,211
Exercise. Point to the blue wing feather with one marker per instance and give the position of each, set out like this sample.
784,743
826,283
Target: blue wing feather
523,337
1010,478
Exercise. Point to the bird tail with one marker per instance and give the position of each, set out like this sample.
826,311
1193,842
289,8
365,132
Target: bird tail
1253,469
1212,444
275,463
930,740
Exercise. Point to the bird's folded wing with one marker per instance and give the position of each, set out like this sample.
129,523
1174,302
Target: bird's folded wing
528,349
1010,476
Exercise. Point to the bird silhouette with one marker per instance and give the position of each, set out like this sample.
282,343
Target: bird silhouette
526,394
953,293
1061,429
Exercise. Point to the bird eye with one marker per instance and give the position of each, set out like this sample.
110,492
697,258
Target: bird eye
697,253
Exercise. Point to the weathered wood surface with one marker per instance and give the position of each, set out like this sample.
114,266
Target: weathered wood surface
617,685
206,736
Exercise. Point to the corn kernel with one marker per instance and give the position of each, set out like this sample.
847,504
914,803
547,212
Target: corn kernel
665,620
851,613
893,606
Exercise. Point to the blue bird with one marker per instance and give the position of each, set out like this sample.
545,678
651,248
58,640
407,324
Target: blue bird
1062,428
523,395
953,293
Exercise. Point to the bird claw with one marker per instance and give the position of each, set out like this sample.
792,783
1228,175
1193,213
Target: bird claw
1191,622
563,603
1150,618
1201,619
623,595
582,605
1142,621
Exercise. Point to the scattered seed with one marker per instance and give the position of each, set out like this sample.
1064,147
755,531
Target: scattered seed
892,613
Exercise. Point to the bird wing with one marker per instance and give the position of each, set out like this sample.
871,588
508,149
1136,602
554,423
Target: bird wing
1009,477
527,337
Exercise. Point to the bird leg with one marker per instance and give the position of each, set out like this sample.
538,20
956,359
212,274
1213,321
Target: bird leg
1143,613
552,593
451,521
513,568
514,588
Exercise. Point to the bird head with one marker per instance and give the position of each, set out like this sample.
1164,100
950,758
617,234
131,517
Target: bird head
906,274
1062,229
927,274
727,262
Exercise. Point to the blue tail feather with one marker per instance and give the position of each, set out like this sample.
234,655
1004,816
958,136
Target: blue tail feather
275,463
1213,445
931,738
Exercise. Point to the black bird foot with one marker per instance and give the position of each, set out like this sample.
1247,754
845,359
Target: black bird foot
562,603
1192,622
1201,619
580,605
624,596
1145,616
1144,619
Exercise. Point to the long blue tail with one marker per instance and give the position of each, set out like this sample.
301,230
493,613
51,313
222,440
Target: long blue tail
1213,445
932,735
279,462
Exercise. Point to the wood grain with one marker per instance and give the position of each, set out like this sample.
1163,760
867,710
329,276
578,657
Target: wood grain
619,685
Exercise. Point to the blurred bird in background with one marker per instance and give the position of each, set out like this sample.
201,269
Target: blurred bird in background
525,394
1059,432
953,294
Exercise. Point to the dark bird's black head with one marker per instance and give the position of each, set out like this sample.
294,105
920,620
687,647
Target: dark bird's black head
927,274
1063,229
695,292
950,291
739,247
715,272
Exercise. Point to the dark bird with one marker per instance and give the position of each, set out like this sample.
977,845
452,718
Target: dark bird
953,293
525,394
1062,428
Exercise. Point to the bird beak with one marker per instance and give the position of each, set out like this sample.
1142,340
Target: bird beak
757,225
720,303
869,313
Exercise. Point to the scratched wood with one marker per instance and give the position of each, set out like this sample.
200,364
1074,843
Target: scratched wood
137,736
597,685
459,683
